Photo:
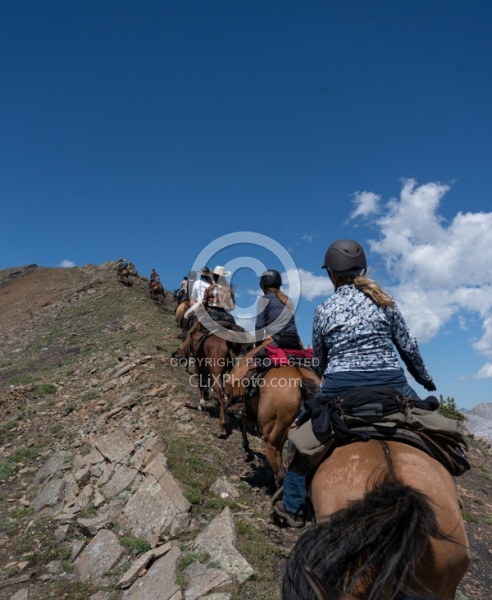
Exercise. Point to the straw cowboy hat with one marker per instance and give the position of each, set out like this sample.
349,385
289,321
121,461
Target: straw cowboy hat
221,271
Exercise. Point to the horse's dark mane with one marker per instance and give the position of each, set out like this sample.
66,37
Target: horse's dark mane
378,539
327,592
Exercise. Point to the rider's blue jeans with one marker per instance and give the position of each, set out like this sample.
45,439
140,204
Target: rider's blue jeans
294,492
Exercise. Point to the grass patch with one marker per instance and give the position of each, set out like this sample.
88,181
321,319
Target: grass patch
193,465
486,474
476,443
89,396
193,557
73,590
188,559
56,553
134,544
43,389
23,456
263,556
469,518
7,431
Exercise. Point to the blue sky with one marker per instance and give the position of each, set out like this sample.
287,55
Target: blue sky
150,130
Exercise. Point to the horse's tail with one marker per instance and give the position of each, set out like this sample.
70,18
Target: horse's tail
375,542
309,388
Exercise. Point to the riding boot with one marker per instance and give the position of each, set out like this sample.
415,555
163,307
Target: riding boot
185,328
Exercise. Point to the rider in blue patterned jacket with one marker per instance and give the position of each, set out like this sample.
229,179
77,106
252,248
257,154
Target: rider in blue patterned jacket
355,332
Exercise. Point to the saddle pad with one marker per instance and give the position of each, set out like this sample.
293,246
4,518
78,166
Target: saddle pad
280,357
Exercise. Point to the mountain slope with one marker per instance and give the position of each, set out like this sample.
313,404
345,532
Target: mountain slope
82,353
479,420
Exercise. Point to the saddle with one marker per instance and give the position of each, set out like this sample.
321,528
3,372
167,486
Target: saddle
377,412
201,334
249,370
197,339
253,365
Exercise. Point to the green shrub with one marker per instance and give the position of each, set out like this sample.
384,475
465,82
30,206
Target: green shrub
448,409
43,389
134,544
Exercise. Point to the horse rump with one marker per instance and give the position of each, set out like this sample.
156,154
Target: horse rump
375,543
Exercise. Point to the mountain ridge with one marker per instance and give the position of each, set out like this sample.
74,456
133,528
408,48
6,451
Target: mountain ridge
66,334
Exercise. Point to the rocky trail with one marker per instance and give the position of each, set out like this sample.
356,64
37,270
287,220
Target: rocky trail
113,484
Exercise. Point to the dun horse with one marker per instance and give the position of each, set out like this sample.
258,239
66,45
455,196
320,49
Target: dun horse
179,313
124,276
274,407
389,526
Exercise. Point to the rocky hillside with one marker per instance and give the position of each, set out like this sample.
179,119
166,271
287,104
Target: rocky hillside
479,420
112,483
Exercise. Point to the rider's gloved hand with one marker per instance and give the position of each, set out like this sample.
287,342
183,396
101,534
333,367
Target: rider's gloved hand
430,386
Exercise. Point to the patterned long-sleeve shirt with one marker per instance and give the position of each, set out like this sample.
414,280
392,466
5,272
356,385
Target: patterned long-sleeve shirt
219,296
352,333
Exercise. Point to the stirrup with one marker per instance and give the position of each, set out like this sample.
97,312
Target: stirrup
286,519
278,495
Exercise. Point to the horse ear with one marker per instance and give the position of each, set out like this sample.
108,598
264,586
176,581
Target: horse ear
322,590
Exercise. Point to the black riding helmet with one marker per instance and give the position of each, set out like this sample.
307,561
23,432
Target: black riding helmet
345,258
270,279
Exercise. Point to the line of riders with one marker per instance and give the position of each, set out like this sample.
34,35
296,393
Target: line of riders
356,335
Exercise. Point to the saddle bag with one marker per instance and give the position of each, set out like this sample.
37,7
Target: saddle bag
366,413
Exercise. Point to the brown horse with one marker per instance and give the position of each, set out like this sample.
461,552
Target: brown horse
157,291
124,276
180,311
274,407
389,526
213,357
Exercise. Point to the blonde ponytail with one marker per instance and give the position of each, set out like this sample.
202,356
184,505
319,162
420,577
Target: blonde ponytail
373,291
282,297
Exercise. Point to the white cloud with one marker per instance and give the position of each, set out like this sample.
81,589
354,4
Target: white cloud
484,344
307,238
67,264
312,286
438,270
442,270
366,203
485,372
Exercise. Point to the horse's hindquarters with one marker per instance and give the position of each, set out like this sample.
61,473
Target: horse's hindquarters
344,476
353,471
279,402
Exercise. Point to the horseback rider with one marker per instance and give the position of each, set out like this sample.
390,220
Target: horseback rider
275,314
218,298
154,278
122,264
275,326
355,330
191,280
196,298
354,334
